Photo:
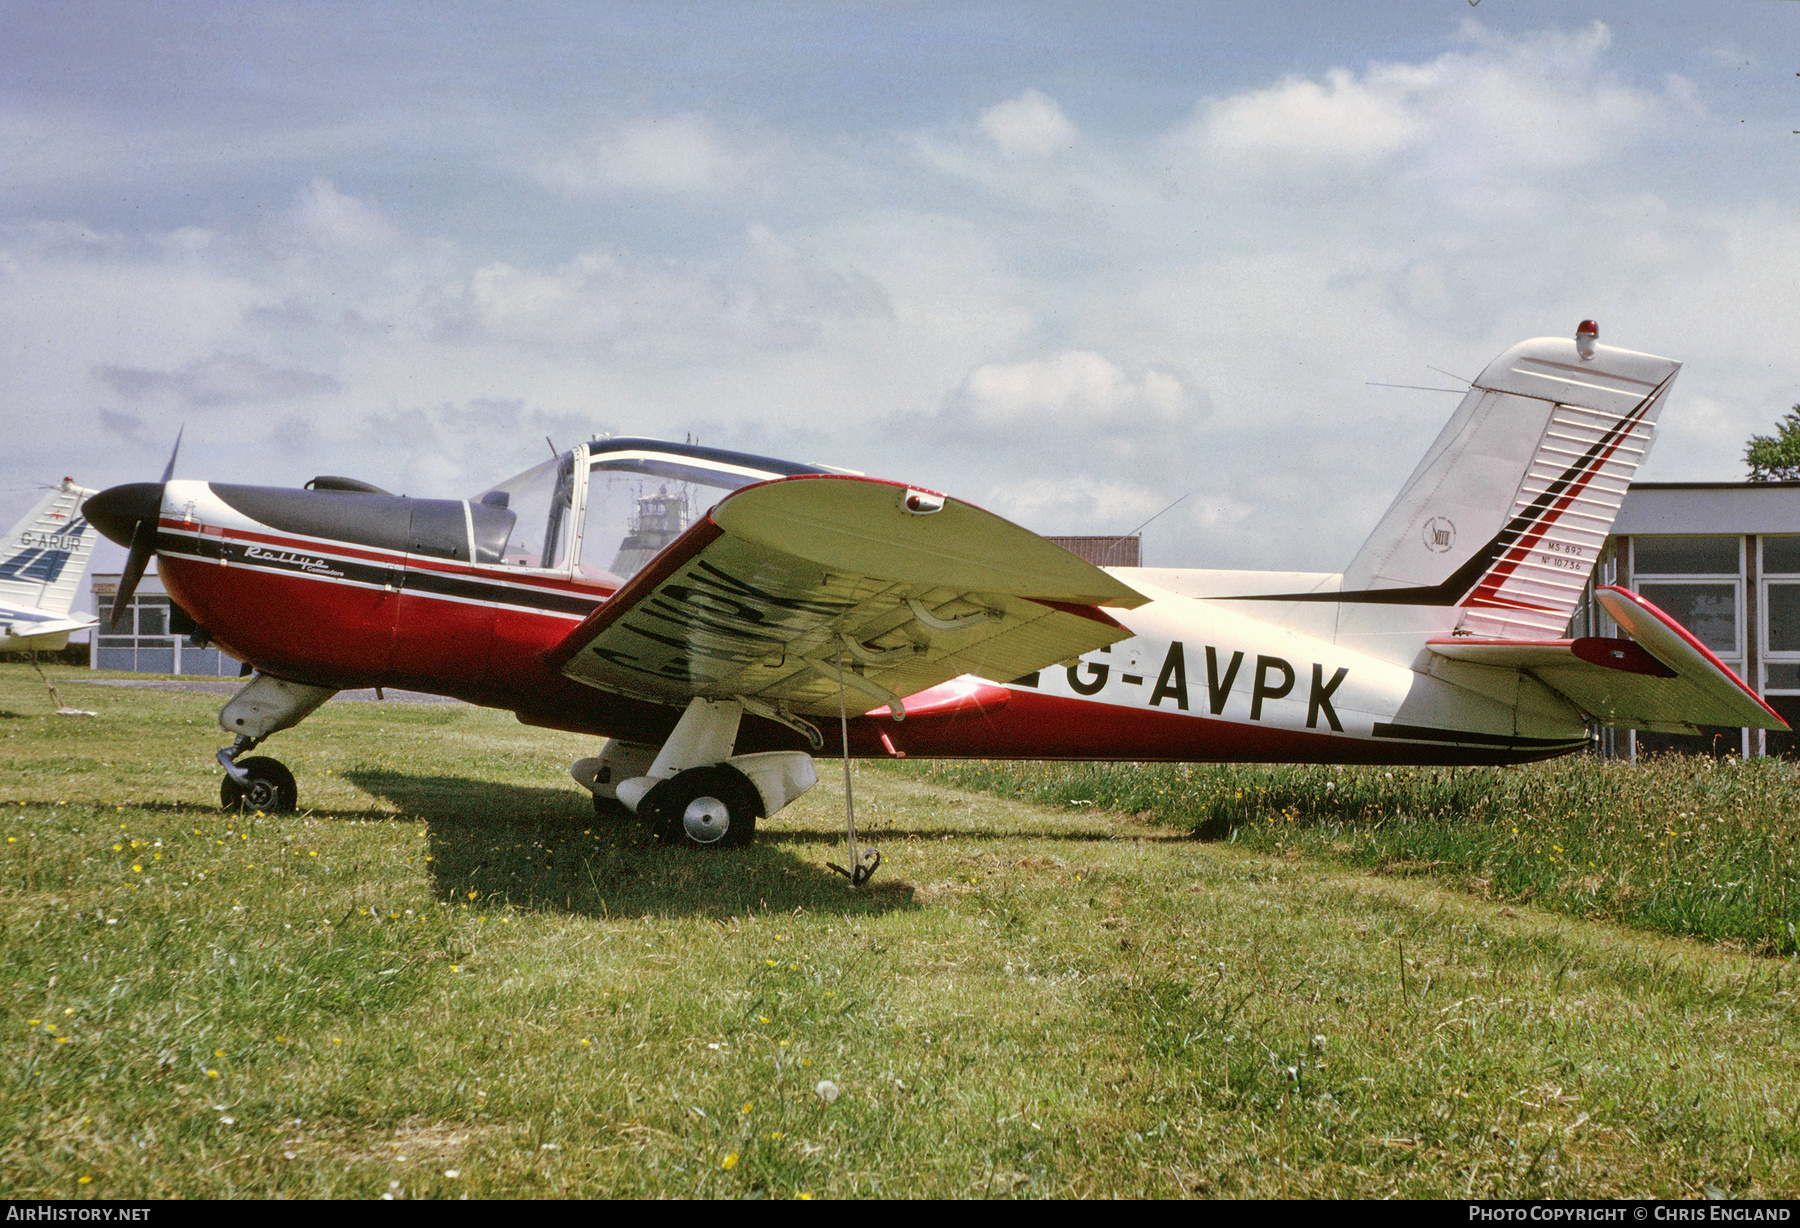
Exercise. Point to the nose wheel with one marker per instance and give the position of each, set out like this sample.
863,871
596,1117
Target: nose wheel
704,807
268,786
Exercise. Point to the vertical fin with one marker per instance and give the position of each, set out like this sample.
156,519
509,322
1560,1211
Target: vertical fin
1501,523
44,556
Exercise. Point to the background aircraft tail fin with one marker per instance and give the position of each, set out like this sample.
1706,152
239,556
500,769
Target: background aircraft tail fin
1505,516
44,556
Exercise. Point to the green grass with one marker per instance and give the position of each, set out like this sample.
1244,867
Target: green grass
444,978
1689,846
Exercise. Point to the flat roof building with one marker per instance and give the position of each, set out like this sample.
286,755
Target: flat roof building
1723,560
154,637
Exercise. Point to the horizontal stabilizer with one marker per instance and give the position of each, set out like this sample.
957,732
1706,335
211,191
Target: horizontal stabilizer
20,627
790,589
1661,679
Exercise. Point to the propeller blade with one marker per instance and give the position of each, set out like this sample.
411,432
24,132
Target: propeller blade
128,515
169,469
143,545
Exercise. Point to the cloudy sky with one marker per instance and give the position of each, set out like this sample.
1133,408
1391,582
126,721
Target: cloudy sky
1071,262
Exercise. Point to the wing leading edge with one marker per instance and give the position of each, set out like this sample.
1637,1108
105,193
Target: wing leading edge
1661,679
765,597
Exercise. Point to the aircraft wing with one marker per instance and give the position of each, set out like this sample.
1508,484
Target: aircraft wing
763,598
1660,679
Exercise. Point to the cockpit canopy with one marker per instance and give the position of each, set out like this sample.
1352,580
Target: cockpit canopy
611,505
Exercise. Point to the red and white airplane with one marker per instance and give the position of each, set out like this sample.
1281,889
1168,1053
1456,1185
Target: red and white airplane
714,614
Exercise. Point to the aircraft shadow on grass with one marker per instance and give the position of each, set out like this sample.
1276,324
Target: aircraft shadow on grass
529,847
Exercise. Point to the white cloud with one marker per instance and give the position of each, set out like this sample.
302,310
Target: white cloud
769,294
1076,386
1031,125
1080,505
1508,105
1345,119
674,154
333,219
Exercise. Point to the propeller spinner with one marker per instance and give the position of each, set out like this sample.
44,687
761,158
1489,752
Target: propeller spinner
128,515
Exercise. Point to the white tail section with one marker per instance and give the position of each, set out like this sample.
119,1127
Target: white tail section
1505,517
44,556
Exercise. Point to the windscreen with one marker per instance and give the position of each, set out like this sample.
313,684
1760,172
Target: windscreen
539,501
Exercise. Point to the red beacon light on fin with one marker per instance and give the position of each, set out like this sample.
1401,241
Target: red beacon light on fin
1586,336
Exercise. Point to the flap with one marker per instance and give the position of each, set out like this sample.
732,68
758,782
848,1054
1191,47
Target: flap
763,598
1661,679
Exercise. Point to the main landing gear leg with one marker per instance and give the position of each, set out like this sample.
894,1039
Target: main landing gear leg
266,705
693,791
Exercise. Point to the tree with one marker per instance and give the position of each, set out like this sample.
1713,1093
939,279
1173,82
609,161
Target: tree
1776,458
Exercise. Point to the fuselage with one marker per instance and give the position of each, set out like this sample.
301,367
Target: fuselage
343,589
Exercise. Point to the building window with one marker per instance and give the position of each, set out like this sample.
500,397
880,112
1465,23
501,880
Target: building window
153,637
1699,582
1687,556
1780,573
1707,610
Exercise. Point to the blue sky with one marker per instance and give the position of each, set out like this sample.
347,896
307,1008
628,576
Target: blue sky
1068,261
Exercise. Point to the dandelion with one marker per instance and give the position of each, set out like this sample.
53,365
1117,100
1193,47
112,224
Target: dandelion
729,1162
826,1090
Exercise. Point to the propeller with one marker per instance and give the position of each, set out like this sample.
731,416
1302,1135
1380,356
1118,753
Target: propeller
128,515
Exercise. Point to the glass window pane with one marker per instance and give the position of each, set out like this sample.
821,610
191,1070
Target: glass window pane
1707,610
1785,744
1781,677
1781,554
1685,556
1784,617
538,500
153,619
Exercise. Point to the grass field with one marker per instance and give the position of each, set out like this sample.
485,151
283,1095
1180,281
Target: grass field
1684,845
444,978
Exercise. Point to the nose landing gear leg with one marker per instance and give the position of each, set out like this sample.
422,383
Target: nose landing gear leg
266,705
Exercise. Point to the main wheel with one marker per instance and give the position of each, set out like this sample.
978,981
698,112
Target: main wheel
272,789
706,807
